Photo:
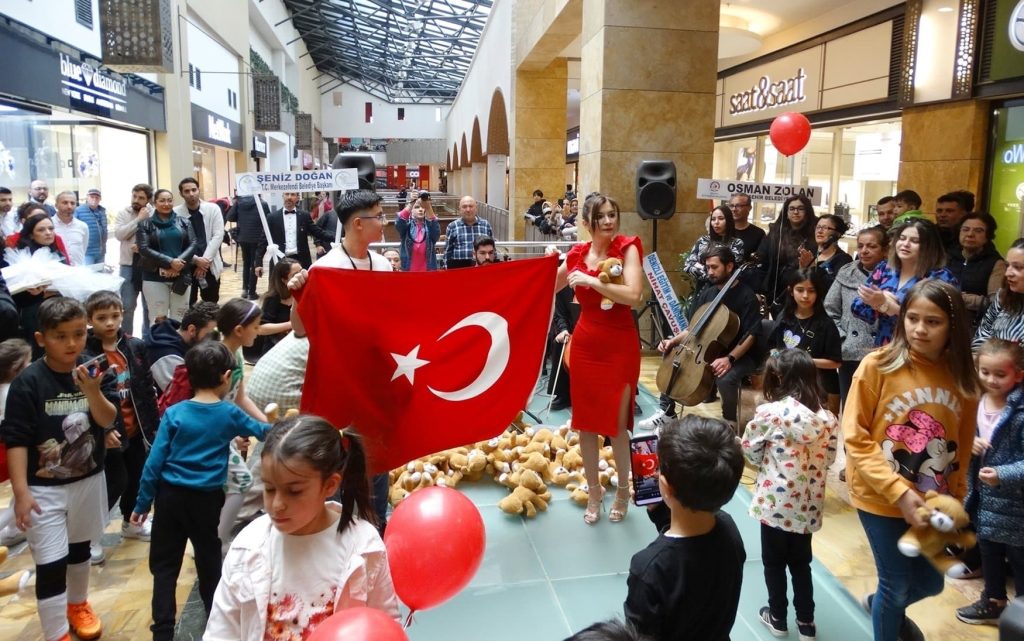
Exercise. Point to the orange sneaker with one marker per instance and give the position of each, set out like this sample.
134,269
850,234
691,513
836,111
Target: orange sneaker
84,622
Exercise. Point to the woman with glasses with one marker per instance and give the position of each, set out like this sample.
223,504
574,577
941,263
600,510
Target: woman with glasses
830,256
790,238
721,231
167,243
915,254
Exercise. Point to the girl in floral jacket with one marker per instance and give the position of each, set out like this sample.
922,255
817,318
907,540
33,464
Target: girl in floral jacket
792,442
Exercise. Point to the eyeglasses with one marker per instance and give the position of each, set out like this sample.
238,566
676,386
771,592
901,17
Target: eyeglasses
821,227
796,210
381,217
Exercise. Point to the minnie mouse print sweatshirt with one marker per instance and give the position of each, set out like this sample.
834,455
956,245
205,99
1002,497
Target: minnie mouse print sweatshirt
908,429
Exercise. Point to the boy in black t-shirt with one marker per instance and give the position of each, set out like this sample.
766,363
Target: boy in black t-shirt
686,584
57,425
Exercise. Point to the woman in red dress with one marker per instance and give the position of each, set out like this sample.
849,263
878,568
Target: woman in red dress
605,355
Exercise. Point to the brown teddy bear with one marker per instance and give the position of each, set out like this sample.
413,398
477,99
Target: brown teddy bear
12,584
523,500
610,271
946,519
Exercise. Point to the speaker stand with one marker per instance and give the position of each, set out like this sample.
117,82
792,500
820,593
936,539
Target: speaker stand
652,307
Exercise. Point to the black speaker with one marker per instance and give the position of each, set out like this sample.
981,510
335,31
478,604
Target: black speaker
363,163
656,189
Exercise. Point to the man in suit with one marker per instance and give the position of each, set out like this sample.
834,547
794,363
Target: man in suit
208,222
290,229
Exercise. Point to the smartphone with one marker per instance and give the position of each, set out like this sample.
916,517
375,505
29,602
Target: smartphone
97,365
643,458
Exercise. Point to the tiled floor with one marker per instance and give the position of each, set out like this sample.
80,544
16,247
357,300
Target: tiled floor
542,578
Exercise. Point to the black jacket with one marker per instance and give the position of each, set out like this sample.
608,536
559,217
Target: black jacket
142,390
304,228
147,236
9,320
328,225
779,255
245,213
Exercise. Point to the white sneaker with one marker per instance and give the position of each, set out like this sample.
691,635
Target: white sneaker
11,536
962,571
96,554
655,422
141,532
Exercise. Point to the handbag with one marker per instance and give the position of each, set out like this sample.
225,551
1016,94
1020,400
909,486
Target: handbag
181,284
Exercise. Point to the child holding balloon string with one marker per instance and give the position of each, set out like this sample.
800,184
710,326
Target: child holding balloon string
306,558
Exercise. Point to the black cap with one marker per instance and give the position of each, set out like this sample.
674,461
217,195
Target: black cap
424,195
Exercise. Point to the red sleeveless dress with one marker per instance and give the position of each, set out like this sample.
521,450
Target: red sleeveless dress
605,354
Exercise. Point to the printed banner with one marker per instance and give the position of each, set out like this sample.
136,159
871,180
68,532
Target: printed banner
663,291
252,183
712,189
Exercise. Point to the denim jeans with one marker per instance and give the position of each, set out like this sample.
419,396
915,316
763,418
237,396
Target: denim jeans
130,300
902,580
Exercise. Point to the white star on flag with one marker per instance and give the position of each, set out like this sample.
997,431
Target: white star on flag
408,364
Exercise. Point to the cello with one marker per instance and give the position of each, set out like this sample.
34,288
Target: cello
685,372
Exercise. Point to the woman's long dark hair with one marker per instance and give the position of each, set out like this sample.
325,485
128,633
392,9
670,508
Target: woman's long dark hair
791,372
813,275
730,226
25,240
317,443
1009,300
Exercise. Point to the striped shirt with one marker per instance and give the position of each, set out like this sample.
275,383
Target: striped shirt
459,245
999,323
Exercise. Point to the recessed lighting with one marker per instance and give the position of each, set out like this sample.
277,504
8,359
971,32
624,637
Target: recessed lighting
945,9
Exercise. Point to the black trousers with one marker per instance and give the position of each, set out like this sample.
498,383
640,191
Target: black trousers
249,268
123,469
993,564
210,293
183,515
781,550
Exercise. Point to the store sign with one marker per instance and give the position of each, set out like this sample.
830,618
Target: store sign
1006,190
259,146
572,145
89,87
215,129
1008,43
760,93
412,173
711,189
766,94
251,183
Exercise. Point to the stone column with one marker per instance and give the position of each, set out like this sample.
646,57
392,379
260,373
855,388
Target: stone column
173,148
647,92
538,143
942,149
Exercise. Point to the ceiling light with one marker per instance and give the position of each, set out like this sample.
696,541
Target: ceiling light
735,37
945,9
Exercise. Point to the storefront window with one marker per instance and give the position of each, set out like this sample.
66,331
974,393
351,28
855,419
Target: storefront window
70,153
204,169
1006,187
851,166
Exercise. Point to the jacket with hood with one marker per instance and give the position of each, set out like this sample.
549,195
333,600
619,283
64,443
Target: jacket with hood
858,336
166,350
998,512
240,604
143,394
792,448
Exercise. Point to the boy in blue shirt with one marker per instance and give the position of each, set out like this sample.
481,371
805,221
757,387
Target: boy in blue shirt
186,470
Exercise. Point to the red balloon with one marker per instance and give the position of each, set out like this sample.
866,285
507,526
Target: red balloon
359,624
435,541
790,132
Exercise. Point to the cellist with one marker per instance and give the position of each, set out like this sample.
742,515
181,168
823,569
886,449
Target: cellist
738,362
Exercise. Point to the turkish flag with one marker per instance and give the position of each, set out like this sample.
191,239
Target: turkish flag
420,362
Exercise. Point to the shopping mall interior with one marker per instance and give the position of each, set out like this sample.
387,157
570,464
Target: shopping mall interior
497,100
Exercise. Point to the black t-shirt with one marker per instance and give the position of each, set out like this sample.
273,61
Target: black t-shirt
818,336
687,588
742,301
49,415
751,237
196,219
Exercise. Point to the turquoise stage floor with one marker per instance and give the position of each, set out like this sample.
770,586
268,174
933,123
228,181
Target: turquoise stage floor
548,577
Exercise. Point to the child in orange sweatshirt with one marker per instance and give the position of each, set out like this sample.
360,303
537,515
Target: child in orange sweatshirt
909,425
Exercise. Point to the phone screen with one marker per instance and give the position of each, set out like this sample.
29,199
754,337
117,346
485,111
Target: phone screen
644,462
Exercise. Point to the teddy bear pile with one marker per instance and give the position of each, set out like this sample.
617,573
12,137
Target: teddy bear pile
524,458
